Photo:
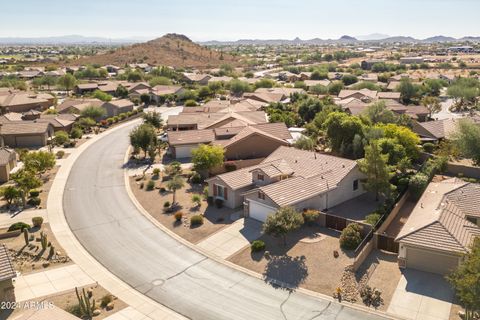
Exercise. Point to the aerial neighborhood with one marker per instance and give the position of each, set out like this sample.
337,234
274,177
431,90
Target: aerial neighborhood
344,171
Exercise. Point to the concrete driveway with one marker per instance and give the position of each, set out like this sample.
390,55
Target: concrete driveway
230,239
422,296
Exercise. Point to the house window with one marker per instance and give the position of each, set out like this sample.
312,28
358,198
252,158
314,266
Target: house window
355,185
220,192
260,177
261,195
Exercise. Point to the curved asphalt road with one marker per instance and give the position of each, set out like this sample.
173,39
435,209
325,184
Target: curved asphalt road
106,222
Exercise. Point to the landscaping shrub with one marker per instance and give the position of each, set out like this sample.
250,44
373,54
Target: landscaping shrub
115,119
178,215
156,172
195,177
205,193
196,220
37,221
166,204
34,201
109,121
60,154
428,147
162,189
350,237
219,203
373,218
196,199
34,193
257,245
61,137
418,184
190,103
150,185
106,299
19,226
310,216
230,166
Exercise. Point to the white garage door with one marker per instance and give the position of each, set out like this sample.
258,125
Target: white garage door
184,151
259,211
430,261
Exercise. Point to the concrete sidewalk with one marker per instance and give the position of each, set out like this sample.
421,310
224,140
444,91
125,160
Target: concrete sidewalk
8,218
233,238
50,282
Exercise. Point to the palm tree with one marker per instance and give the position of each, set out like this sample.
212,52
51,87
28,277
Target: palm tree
177,182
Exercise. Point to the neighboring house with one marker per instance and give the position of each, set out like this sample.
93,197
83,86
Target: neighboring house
26,134
199,120
61,122
7,273
412,60
76,106
82,88
441,227
8,161
115,107
160,91
435,130
199,78
289,177
363,94
312,83
25,101
265,97
246,142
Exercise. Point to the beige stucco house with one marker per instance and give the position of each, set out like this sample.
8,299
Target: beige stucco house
441,227
8,161
289,177
26,134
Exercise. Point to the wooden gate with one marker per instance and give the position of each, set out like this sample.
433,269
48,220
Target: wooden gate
334,222
387,243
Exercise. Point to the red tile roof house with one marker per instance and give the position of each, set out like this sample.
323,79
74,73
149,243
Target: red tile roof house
289,177
240,143
441,227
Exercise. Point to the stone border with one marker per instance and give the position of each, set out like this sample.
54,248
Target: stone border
58,223
231,264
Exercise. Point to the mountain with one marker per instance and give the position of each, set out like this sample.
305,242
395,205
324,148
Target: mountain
172,50
347,39
66,40
439,39
373,36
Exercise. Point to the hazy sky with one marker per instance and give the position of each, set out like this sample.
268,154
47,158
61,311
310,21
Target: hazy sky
236,19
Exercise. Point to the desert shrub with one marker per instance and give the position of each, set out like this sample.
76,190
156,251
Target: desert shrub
19,226
196,220
350,237
162,189
156,172
418,183
205,193
34,201
230,166
195,177
109,121
428,147
61,137
310,216
34,193
373,218
219,203
150,185
257,245
178,215
190,103
166,204
37,221
106,299
115,119
196,199
60,154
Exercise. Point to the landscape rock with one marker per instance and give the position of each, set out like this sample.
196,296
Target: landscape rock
110,306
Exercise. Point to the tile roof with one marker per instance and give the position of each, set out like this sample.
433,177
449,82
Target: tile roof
6,268
190,137
210,120
24,127
438,129
161,90
438,221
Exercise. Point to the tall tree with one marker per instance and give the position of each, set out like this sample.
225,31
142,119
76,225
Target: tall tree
154,119
466,281
26,180
378,172
432,104
143,137
206,157
67,82
466,140
282,222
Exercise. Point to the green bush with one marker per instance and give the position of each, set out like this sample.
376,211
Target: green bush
230,166
166,204
19,226
34,201
195,177
60,154
156,172
196,199
205,193
190,103
106,299
418,183
150,185
428,147
350,237
196,220
61,137
257,246
37,221
34,193
310,216
373,218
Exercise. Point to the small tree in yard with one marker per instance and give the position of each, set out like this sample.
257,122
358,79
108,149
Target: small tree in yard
10,194
173,169
350,237
26,181
432,104
93,112
154,119
177,182
39,161
206,157
466,281
61,137
378,172
143,137
285,220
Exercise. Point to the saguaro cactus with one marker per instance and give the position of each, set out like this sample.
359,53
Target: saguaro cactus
25,236
43,240
86,306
